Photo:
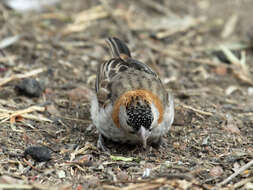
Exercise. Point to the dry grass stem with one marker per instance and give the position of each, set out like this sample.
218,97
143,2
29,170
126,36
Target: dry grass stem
21,76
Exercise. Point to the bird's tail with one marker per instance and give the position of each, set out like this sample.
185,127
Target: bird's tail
118,48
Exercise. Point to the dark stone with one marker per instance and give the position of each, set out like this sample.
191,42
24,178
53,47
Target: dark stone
38,153
29,87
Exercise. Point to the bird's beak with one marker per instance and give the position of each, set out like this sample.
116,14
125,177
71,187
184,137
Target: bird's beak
144,133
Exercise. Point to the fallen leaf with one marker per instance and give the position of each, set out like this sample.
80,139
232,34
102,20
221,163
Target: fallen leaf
17,118
85,160
79,187
121,158
221,70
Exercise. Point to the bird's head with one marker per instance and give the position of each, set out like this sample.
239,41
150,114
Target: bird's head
138,112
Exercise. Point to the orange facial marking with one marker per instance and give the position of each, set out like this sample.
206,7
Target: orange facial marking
126,98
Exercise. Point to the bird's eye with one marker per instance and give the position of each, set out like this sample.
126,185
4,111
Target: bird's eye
150,129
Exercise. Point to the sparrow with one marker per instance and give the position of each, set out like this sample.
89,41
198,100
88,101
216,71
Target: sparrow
131,104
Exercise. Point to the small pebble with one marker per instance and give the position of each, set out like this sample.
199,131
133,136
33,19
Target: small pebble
38,153
29,87
146,173
61,173
216,171
250,91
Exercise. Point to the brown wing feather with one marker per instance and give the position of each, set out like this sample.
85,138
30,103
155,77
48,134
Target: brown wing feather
121,63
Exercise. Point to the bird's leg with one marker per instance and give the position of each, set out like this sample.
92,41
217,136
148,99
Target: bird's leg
101,143
157,144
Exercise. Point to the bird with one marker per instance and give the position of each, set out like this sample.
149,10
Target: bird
130,104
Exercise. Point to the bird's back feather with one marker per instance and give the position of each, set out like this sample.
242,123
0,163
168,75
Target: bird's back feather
123,73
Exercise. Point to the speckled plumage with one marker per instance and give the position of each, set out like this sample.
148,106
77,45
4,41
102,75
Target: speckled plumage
131,104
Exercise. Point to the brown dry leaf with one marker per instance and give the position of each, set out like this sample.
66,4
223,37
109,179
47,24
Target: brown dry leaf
244,77
84,160
17,118
79,187
80,94
216,171
221,70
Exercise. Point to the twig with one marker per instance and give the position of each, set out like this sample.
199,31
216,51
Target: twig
197,110
177,176
185,59
75,119
15,186
236,173
167,33
30,165
6,115
9,41
240,68
20,76
230,26
36,118
145,186
242,182
160,8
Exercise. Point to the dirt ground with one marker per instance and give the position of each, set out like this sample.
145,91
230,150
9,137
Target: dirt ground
202,50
